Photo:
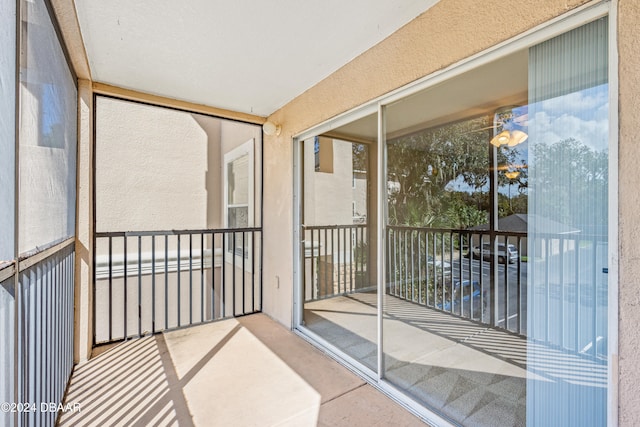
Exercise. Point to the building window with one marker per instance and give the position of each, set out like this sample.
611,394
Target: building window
239,196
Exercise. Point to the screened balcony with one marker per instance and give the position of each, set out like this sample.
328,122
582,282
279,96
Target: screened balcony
137,252
177,334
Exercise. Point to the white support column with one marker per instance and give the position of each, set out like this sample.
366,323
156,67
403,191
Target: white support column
381,232
83,295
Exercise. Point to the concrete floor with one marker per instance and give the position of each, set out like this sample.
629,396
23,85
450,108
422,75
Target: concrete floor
466,371
248,371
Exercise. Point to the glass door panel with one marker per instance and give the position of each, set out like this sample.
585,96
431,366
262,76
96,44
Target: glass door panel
452,268
568,242
495,297
339,263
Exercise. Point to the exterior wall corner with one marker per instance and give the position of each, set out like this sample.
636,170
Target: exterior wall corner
278,267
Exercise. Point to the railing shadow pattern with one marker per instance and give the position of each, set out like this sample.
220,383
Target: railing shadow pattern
137,385
489,360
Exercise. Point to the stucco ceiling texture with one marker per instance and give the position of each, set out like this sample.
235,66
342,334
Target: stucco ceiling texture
247,56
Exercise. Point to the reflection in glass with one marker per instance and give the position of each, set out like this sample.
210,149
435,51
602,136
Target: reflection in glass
442,296
48,105
496,299
568,120
495,295
439,177
339,266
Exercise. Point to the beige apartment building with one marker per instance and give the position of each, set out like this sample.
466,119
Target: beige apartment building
344,173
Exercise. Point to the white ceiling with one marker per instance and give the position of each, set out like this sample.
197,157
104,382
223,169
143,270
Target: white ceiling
480,91
246,56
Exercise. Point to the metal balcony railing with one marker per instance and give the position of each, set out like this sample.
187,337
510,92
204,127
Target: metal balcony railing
556,295
335,260
151,281
36,334
452,270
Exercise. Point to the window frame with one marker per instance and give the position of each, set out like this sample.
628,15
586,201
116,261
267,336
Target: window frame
245,149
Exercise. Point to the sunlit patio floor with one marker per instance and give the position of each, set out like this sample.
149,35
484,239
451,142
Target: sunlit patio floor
249,371
467,371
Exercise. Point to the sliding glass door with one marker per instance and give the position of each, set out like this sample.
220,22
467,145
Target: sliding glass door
496,294
454,323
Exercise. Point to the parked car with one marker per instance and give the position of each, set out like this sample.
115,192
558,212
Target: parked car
439,265
509,253
466,294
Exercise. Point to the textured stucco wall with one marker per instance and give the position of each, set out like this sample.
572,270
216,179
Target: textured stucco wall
450,31
629,216
161,169
328,196
151,168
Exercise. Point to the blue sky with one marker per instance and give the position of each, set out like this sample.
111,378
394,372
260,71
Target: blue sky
582,115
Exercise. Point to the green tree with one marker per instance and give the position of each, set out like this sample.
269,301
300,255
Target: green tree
422,165
462,214
569,182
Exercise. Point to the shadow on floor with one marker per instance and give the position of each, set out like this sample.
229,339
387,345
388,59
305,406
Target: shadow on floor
461,369
237,372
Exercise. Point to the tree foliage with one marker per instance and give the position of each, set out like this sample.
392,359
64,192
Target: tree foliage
422,166
569,183
360,156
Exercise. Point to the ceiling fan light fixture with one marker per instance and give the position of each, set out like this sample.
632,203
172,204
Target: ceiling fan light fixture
502,138
510,119
517,137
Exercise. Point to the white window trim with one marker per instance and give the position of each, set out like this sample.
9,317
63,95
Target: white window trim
245,149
